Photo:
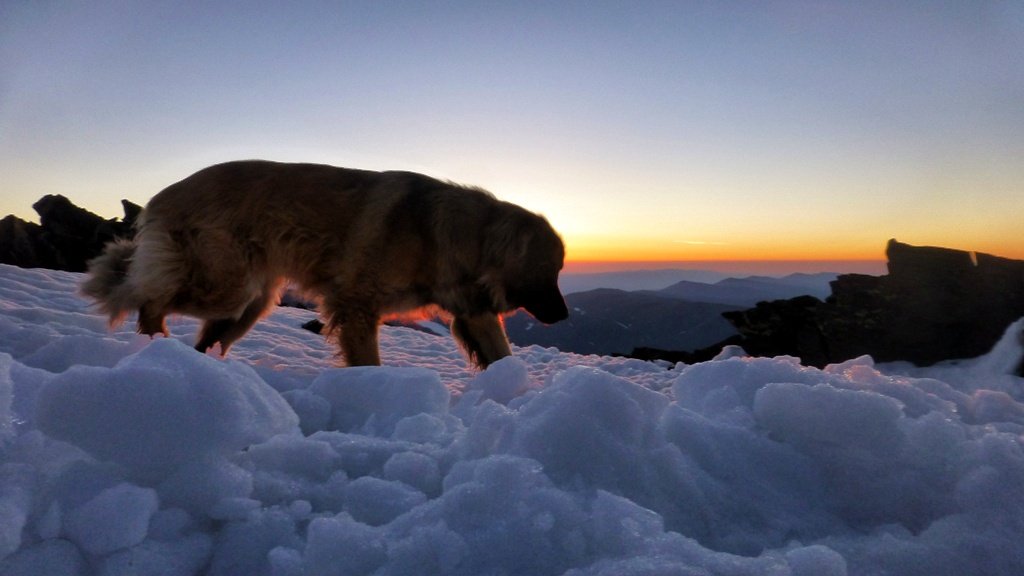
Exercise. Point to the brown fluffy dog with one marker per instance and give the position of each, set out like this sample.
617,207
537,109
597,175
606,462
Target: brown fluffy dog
220,244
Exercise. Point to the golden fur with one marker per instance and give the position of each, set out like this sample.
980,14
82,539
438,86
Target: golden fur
220,244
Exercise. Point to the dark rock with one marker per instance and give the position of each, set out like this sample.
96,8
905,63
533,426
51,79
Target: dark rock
66,238
1020,366
21,244
70,230
674,356
315,326
780,327
934,304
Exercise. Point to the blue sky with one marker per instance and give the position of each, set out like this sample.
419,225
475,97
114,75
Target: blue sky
643,130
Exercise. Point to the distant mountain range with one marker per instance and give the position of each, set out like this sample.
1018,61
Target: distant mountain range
751,290
606,321
631,280
684,316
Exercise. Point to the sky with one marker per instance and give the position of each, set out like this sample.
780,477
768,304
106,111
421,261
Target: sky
644,131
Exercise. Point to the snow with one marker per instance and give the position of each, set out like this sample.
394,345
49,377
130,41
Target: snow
121,455
123,511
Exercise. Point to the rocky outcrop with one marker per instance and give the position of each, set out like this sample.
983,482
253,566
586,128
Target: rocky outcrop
934,304
66,238
21,244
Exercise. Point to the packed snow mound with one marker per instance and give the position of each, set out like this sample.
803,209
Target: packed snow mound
178,410
124,455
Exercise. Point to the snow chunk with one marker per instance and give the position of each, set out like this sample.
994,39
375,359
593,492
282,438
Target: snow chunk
341,546
484,503
620,526
63,353
183,557
290,468
15,504
504,380
730,351
158,409
6,397
116,518
816,560
414,469
243,547
728,386
314,411
592,425
826,418
375,501
47,558
200,485
1006,355
373,399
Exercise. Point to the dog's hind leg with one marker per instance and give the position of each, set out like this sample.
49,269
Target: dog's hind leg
482,337
151,320
228,330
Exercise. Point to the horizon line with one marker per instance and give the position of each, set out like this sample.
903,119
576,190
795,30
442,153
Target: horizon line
874,266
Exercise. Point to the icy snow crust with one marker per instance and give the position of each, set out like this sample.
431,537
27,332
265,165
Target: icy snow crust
120,455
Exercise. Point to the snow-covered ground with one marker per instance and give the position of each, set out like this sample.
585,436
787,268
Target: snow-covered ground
120,455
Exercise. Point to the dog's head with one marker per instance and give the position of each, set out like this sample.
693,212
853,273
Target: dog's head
526,256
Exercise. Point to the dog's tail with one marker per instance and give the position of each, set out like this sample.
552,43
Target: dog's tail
107,281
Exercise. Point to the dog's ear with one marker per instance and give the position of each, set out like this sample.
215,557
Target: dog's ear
522,258
535,287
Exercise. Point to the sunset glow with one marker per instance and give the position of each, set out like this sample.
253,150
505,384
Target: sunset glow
732,267
647,252
655,249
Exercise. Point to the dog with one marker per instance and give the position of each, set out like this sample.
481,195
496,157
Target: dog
220,245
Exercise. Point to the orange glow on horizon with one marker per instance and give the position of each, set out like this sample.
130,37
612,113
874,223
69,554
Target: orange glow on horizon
648,250
588,252
782,256
751,267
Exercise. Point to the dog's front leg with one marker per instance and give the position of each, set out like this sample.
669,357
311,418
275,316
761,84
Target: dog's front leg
482,336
